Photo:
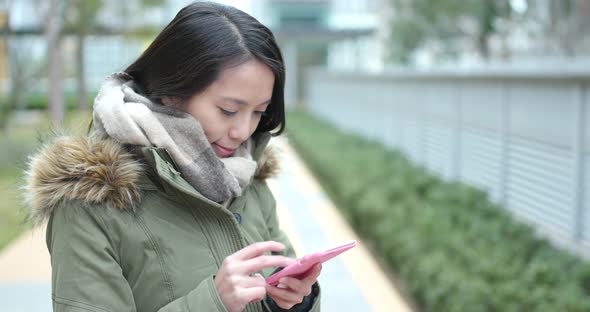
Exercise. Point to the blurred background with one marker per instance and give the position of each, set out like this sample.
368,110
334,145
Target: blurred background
454,135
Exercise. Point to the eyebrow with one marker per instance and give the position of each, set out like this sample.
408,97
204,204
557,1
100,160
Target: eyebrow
242,102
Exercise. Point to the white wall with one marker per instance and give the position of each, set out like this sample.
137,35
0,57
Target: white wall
522,136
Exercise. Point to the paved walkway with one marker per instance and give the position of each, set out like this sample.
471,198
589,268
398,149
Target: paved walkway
350,282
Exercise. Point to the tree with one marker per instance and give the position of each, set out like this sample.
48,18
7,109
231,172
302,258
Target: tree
52,35
81,19
6,105
22,69
417,22
568,25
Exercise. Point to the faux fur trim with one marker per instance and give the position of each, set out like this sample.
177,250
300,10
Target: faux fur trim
90,169
268,164
93,170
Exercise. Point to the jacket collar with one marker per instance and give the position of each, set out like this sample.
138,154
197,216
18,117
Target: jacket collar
99,171
171,181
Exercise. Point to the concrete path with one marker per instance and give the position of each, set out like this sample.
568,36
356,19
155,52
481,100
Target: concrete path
25,274
350,282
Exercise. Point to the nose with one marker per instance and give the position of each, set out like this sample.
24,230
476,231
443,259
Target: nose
240,130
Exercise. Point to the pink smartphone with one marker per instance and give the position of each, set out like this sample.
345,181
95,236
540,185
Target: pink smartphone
303,264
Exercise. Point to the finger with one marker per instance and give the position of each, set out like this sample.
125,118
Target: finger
255,280
252,294
285,294
257,249
299,287
313,274
284,304
262,262
258,280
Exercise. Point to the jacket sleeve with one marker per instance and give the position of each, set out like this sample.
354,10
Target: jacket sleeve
311,302
86,275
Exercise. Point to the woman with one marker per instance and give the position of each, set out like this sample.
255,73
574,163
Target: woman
163,207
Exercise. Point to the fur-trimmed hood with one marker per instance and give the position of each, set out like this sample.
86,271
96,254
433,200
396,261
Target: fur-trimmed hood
94,170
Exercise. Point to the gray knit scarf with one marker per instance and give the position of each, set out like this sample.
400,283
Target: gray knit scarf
130,118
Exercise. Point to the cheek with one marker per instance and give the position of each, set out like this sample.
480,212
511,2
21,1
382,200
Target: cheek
209,123
255,123
213,131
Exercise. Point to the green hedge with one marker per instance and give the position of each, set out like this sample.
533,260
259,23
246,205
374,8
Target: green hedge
454,248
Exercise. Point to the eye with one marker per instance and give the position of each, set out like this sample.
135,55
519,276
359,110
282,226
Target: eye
260,113
226,112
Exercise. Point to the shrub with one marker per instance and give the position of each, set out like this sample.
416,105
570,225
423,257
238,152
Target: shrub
455,249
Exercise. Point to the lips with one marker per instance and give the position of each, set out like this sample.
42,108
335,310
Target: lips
222,151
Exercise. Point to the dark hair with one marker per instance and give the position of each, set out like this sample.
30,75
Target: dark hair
203,39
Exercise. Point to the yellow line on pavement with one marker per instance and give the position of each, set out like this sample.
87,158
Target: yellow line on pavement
365,271
285,222
26,259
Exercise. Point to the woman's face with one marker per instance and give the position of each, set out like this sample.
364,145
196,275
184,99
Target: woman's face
230,109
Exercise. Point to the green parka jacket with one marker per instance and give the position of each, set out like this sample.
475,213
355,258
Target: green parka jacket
127,233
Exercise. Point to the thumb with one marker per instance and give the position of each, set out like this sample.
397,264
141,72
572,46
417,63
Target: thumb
260,280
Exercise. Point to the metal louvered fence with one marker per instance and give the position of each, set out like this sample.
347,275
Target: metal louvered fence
522,136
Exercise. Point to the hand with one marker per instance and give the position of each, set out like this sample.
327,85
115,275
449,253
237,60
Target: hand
290,291
236,283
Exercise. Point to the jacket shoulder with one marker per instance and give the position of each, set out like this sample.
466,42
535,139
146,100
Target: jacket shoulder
91,170
96,171
268,165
